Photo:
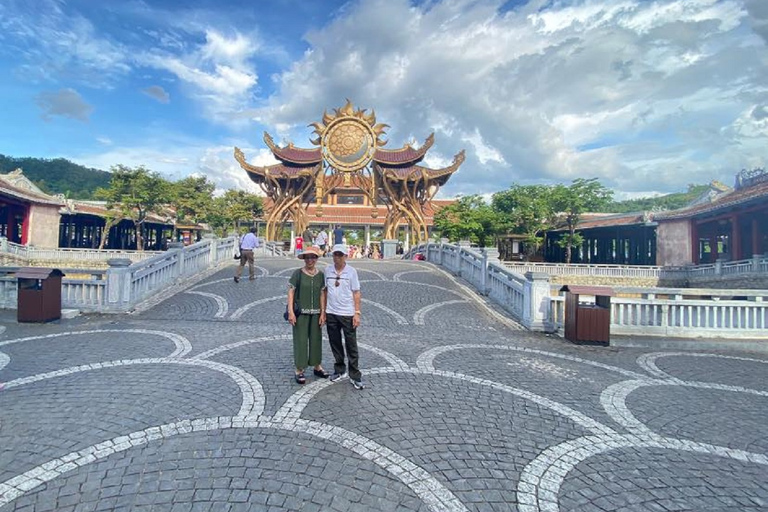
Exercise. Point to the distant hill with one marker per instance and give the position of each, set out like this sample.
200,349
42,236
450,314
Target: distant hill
665,202
58,176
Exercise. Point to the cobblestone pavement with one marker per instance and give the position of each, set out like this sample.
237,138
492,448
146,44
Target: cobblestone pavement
190,405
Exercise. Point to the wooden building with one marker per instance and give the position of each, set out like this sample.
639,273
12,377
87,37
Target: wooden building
724,224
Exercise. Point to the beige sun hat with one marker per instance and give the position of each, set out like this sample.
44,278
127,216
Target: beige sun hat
310,250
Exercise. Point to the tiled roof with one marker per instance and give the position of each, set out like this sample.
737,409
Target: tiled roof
604,220
404,155
417,172
31,196
292,154
754,193
100,210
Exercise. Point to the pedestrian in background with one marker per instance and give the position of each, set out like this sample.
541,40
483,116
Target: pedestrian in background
338,235
248,245
305,289
309,239
342,316
321,241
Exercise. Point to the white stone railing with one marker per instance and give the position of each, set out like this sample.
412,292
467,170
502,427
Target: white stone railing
124,284
273,249
680,312
129,284
522,296
80,256
681,317
756,264
580,269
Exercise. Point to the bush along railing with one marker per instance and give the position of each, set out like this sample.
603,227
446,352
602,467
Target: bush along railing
524,297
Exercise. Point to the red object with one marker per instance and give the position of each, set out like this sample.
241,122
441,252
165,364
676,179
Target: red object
299,243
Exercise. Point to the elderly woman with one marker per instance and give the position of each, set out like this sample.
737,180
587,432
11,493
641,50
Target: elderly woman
304,290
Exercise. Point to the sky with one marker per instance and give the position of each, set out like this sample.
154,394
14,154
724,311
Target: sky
648,96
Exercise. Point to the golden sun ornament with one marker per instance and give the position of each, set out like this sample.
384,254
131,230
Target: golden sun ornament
348,138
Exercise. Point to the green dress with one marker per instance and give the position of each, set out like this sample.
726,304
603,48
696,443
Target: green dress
307,334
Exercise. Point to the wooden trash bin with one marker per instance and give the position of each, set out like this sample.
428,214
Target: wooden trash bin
588,323
39,294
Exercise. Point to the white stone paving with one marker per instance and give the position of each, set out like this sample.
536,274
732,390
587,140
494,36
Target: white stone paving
221,303
182,344
540,481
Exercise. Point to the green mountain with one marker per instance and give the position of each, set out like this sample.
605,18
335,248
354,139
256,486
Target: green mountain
58,175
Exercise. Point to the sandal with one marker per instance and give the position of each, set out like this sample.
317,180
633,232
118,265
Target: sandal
321,373
300,378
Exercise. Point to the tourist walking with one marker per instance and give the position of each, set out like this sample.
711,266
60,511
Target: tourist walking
248,245
321,241
342,316
305,289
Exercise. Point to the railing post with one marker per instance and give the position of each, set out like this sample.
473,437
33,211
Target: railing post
536,300
214,241
178,247
718,267
490,255
3,244
118,285
755,261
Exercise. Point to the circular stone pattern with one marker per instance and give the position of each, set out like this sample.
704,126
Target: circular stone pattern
348,144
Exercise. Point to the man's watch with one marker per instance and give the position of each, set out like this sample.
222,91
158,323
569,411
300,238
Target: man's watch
358,312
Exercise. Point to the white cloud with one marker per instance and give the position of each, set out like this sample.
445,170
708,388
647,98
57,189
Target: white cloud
217,74
641,94
59,45
63,103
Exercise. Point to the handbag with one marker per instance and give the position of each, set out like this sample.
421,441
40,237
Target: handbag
237,256
296,307
296,311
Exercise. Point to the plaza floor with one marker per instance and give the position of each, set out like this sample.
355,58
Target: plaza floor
190,405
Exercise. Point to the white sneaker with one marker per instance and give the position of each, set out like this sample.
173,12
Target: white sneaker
338,376
359,384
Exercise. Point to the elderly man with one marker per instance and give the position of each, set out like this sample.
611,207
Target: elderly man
342,315
248,246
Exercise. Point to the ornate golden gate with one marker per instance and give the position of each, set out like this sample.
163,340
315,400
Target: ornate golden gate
349,153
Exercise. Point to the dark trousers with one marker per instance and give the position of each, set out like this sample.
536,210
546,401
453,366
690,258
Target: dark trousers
336,326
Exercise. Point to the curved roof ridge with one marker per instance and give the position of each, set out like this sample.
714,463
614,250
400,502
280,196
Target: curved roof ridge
279,170
415,172
405,154
292,154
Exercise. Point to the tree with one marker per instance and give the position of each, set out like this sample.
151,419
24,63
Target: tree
527,210
582,195
234,207
133,194
192,198
469,218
